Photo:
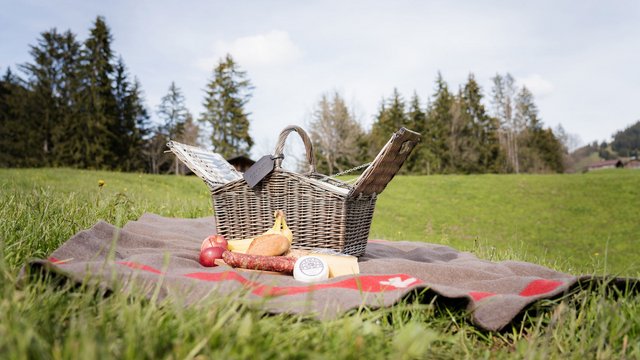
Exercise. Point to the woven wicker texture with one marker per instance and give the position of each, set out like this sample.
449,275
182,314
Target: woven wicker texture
387,164
318,218
210,167
311,159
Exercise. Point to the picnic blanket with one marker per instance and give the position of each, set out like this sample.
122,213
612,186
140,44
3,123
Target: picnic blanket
163,252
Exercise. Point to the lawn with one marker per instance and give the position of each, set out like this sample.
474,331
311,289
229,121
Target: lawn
581,223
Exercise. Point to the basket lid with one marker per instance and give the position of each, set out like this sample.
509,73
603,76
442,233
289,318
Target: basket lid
386,164
207,165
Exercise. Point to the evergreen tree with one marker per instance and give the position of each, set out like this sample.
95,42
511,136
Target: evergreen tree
226,97
173,112
132,123
484,129
526,111
74,108
70,97
439,123
97,135
542,151
174,115
627,141
16,150
51,91
391,117
335,135
417,121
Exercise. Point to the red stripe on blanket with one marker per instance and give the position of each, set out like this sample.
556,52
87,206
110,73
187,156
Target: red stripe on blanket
479,295
369,283
540,286
221,276
138,266
53,260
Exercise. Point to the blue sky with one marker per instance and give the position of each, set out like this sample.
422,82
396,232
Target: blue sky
580,58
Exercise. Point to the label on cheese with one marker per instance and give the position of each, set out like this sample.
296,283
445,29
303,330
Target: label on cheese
311,266
310,269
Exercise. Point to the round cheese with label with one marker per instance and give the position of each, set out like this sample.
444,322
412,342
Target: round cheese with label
310,269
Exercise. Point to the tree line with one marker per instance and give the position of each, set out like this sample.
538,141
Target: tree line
77,105
459,134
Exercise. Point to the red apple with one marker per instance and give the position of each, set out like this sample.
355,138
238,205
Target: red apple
209,255
214,241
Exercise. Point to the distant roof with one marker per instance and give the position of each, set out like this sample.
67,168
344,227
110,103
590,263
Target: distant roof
635,163
239,158
616,163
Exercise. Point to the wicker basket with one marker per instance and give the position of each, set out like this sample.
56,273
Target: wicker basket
322,212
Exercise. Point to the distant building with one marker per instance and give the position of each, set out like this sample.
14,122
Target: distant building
241,162
632,164
607,164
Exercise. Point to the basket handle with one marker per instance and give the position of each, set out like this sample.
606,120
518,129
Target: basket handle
307,145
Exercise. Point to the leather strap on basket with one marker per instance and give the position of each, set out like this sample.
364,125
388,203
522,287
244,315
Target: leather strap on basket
307,145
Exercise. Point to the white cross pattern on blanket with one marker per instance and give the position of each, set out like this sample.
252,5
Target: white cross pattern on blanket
397,282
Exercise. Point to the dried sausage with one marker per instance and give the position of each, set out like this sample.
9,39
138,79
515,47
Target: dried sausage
282,264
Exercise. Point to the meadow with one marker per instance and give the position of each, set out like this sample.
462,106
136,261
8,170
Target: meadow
579,223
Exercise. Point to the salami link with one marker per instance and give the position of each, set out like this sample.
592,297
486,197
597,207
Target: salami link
282,264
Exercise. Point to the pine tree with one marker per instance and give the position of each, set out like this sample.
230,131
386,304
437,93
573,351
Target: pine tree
391,117
627,142
417,121
226,97
542,151
174,114
98,131
74,108
70,97
49,96
335,135
484,138
132,123
526,111
16,150
439,122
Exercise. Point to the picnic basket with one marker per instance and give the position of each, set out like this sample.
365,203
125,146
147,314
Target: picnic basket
322,212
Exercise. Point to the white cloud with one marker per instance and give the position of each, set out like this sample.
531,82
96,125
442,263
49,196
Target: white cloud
539,86
274,48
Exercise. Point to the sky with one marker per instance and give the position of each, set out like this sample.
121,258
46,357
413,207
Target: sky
580,59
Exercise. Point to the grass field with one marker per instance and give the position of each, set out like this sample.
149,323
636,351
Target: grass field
583,223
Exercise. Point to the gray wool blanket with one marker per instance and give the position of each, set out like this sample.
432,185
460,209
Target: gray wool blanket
159,251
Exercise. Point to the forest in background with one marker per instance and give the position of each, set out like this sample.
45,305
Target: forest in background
76,105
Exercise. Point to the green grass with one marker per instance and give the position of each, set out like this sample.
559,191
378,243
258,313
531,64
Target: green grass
583,223
572,221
